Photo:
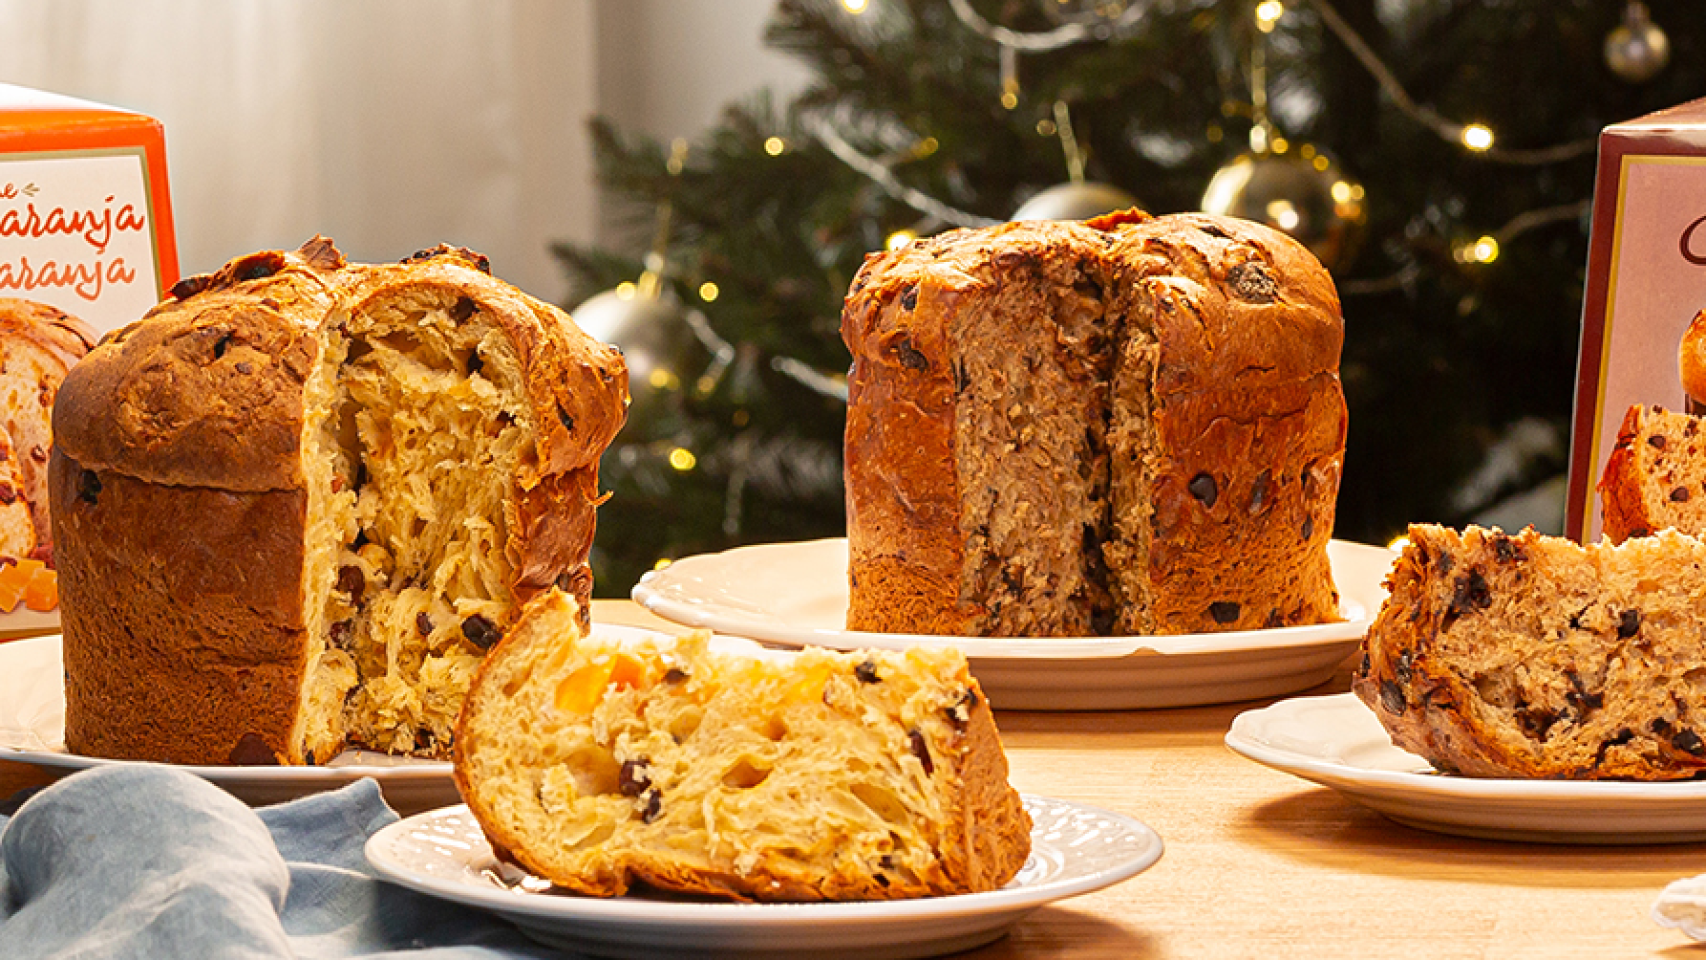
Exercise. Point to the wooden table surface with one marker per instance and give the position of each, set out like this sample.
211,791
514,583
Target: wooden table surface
1259,864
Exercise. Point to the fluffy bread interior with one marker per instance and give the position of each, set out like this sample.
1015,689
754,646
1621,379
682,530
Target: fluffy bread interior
415,424
599,764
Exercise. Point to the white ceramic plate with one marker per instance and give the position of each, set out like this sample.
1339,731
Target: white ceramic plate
1338,742
32,730
796,593
1074,849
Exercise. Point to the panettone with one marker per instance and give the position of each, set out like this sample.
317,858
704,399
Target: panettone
1133,425
599,763
1501,655
297,501
38,344
1655,476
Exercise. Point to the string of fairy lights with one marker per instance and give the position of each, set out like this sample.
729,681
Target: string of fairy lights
1640,51
1117,19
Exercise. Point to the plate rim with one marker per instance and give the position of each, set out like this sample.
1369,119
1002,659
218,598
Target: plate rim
401,771
631,910
1505,790
1359,612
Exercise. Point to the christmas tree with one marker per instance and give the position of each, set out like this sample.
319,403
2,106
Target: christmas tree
1438,156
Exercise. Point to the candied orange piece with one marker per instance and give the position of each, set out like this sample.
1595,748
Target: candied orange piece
580,691
41,594
14,577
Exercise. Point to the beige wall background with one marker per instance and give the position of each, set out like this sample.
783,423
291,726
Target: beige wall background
392,125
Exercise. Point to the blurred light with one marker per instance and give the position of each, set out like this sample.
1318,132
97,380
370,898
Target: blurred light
660,378
682,459
1010,100
1398,543
1484,250
708,291
854,6
900,238
706,384
1341,191
626,289
1046,127
1280,145
742,418
775,145
1321,163
1284,215
1268,13
662,562
926,147
1478,137
677,156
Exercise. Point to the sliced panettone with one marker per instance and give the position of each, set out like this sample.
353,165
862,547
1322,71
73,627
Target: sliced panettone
599,764
1656,475
38,344
1524,655
17,530
299,500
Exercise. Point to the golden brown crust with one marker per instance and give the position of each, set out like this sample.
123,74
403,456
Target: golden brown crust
180,453
206,390
185,648
1245,388
1623,511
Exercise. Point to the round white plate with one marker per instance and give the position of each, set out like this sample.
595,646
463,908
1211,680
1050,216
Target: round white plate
1074,849
1338,742
796,593
32,730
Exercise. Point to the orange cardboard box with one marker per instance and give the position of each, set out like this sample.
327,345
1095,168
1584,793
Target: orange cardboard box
85,215
1646,280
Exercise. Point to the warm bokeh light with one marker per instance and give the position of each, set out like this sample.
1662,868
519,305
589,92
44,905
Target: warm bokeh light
775,145
683,459
1478,137
900,238
626,290
708,291
1268,13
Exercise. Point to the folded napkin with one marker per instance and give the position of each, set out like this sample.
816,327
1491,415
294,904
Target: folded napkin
146,861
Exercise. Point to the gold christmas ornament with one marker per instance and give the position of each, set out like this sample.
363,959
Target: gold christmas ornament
1636,50
1301,193
1074,201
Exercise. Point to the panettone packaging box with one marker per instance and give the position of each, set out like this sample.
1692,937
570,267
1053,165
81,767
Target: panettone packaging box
85,215
1646,280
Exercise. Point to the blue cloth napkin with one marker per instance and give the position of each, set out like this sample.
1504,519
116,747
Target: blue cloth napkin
144,861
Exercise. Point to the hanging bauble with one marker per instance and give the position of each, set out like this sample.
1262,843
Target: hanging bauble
1300,193
1074,201
1636,49
652,331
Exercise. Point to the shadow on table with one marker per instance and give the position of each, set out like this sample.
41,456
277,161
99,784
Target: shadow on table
1346,836
1062,931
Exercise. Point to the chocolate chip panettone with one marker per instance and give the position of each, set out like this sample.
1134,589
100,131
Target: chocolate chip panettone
1656,475
1133,425
600,763
297,501
1532,656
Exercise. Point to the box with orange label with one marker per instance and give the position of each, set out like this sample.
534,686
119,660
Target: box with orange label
1646,282
86,246
85,214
